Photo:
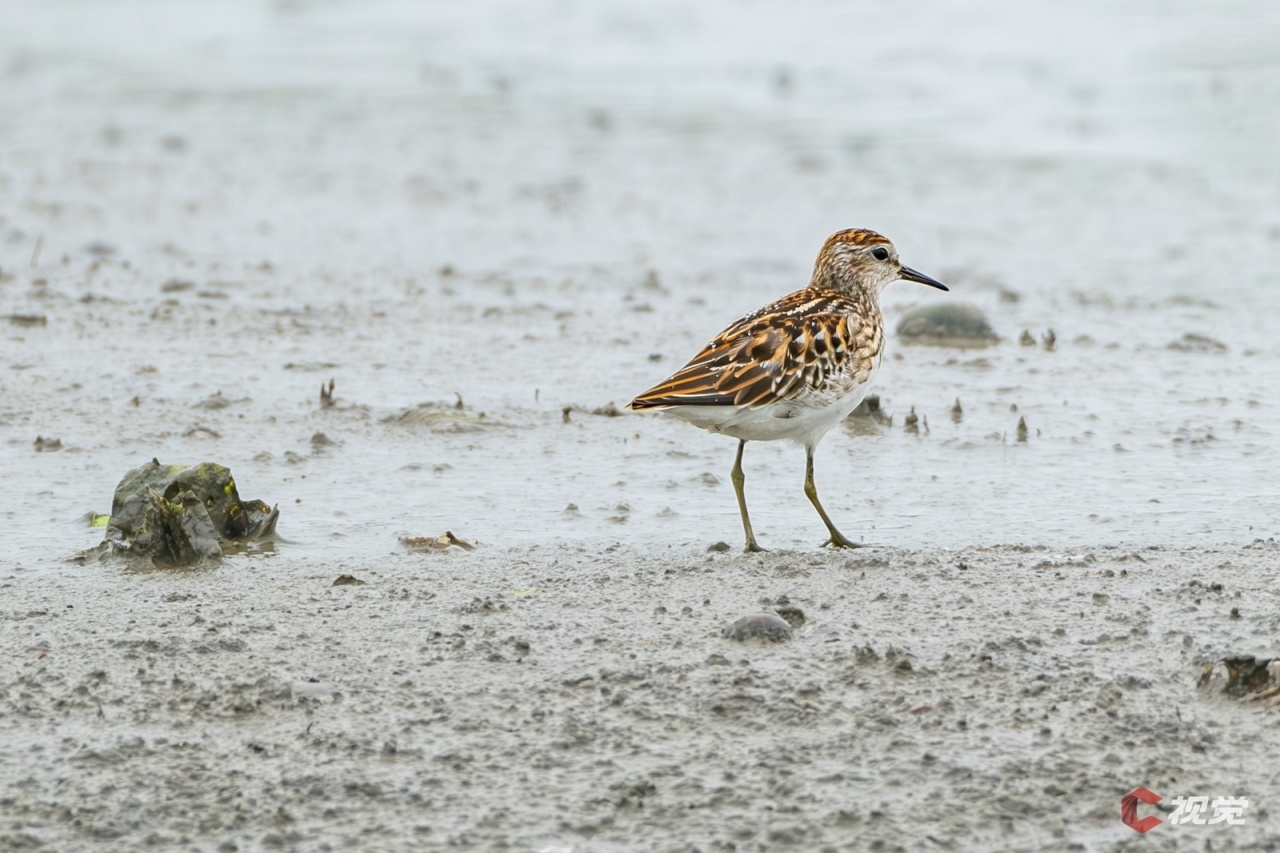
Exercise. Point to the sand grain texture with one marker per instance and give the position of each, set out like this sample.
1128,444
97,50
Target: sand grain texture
448,704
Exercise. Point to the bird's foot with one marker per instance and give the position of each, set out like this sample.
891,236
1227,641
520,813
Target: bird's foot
837,540
753,548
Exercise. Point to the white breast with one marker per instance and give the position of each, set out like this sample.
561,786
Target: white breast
805,420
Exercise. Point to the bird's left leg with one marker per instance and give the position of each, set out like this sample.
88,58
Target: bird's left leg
837,539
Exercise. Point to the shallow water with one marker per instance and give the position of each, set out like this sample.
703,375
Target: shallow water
423,202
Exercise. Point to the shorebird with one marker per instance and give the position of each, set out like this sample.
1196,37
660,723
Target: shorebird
797,367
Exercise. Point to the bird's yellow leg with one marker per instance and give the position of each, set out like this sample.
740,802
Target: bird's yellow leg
837,539
738,480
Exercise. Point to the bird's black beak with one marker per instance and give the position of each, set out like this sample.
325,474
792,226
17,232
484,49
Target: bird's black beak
909,274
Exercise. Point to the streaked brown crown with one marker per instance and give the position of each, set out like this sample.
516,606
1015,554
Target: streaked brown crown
854,236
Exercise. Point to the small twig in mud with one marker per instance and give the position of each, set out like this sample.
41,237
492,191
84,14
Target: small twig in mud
435,543
35,253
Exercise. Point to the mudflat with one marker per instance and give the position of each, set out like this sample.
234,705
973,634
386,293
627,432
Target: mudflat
575,698
400,269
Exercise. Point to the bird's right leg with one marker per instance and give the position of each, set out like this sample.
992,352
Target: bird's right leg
738,480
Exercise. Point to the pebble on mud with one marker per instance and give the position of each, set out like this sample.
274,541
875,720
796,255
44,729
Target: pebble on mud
1191,342
347,580
950,324
319,440
868,416
766,627
911,423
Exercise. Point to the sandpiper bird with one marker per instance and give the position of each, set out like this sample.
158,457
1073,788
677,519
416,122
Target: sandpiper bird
795,368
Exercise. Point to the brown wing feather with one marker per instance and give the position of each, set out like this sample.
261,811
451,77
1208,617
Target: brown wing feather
777,353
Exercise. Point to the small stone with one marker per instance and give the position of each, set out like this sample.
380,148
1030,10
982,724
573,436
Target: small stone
793,615
950,324
348,580
1026,339
719,547
1022,430
1192,342
870,408
717,660
766,627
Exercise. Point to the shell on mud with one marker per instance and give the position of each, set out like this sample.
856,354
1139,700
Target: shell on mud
180,515
1244,677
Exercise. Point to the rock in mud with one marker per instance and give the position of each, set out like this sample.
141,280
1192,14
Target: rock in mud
766,627
793,616
868,417
950,324
180,515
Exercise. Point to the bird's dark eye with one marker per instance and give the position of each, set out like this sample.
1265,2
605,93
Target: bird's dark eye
880,253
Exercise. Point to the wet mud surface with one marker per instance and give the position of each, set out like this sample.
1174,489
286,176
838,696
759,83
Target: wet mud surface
400,268
990,698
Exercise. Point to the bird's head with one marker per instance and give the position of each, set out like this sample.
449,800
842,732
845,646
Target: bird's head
857,260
